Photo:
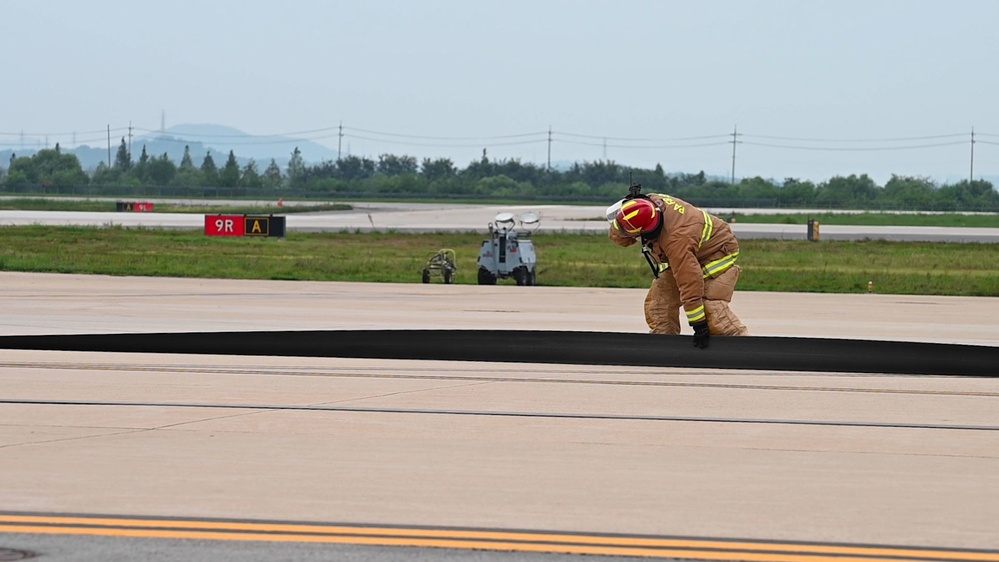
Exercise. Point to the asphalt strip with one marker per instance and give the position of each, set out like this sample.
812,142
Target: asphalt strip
560,347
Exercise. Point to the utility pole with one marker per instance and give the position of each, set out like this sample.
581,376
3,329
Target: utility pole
109,146
549,148
129,141
735,141
971,176
339,142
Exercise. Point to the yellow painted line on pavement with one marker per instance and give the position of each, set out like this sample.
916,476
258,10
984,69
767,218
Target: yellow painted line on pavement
693,549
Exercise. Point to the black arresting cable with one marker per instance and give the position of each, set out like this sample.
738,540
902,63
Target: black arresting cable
574,348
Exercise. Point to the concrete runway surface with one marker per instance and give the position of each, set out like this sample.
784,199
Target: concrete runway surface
777,459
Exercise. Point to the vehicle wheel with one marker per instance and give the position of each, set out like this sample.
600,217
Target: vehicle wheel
486,277
448,276
532,277
520,276
426,275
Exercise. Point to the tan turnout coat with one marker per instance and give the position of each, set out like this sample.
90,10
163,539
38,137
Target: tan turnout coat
693,244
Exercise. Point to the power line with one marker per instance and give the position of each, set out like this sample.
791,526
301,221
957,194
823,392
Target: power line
534,133
648,147
971,175
99,131
856,149
899,139
549,147
245,142
438,145
549,137
243,135
735,140
555,135
625,139
519,135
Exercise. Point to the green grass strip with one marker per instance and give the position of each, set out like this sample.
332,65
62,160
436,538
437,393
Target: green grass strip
567,260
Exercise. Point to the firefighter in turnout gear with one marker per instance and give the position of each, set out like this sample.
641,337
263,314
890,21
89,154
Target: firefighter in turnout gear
692,254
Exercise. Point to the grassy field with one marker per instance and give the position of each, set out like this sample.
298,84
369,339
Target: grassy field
563,259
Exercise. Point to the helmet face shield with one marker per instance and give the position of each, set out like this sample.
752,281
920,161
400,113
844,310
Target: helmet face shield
636,216
611,212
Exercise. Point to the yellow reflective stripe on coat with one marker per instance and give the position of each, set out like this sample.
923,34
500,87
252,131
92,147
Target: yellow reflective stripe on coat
696,315
708,229
716,267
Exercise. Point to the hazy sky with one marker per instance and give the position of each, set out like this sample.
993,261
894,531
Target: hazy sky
639,82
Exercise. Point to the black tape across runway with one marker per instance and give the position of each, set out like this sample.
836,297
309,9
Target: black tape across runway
573,348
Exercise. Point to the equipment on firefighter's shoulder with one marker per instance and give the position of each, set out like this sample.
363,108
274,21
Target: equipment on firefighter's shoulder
701,334
441,264
635,191
654,264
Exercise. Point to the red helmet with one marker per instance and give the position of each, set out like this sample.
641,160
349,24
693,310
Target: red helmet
637,216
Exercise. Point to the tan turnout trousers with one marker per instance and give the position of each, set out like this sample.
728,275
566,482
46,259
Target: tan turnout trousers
662,305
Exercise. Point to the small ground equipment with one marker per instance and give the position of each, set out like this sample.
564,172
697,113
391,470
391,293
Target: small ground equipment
441,265
509,252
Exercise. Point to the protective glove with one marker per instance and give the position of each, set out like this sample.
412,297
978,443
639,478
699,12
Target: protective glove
701,334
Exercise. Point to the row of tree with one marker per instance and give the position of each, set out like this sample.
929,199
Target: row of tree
485,178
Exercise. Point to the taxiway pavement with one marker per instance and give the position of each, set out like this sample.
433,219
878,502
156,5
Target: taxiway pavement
825,457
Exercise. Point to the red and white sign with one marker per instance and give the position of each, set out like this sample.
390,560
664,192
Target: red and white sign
225,225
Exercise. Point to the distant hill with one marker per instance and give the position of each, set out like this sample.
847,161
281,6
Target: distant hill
202,139
220,139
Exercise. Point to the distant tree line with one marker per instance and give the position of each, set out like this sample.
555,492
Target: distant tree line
398,176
